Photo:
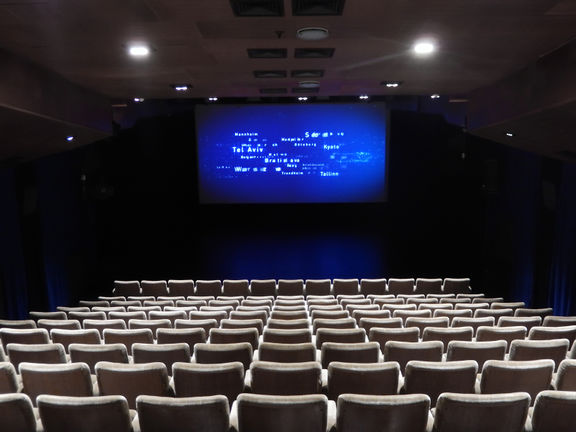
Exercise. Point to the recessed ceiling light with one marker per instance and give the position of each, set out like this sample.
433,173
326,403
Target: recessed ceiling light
312,33
424,48
363,97
181,87
302,98
509,134
138,99
435,96
309,84
139,50
391,84
212,99
70,138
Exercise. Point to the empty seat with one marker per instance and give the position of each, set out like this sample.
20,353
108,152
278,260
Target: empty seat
480,352
59,324
81,316
56,379
512,376
23,336
370,323
263,287
528,322
67,337
131,380
558,321
451,314
92,354
236,287
273,378
339,335
287,353
566,377
57,315
554,411
328,314
404,352
507,305
262,315
345,286
366,352
181,287
126,288
340,323
553,349
190,414
168,354
423,323
405,314
289,315
36,353
481,413
401,286
372,286
100,325
189,336
485,334
197,379
126,316
288,336
544,333
128,337
370,413
17,413
84,414
428,286
217,315
530,312
363,378
69,309
496,313
153,288
384,335
8,378
456,286
288,324
224,353
388,300
226,336
171,315
290,287
435,378
318,287
446,335
261,413
358,314
208,288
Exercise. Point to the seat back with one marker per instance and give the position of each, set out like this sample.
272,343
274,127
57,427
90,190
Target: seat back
404,352
362,378
566,378
318,287
339,335
17,413
287,353
554,411
8,378
554,349
401,286
224,353
365,352
286,378
290,287
92,354
184,287
480,352
38,353
168,354
373,286
236,287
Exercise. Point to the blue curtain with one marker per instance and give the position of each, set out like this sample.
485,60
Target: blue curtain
561,293
12,264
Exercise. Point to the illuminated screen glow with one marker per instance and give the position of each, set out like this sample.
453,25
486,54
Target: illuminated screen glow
293,153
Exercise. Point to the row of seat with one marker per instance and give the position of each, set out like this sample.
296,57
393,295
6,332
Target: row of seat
554,411
273,287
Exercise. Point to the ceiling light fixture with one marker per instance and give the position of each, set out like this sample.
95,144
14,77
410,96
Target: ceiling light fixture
302,98
139,51
181,87
435,96
363,97
138,99
391,84
70,138
509,134
312,33
424,48
212,99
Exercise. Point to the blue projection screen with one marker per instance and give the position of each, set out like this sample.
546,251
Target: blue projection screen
293,153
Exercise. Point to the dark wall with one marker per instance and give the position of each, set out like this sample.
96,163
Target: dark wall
127,208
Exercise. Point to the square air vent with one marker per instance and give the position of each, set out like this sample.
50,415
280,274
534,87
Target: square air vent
273,91
317,7
270,74
267,53
307,73
300,90
257,8
313,53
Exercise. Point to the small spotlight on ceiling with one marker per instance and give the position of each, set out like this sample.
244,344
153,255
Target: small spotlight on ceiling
509,134
139,51
138,99
181,87
363,97
70,138
312,33
303,98
435,96
424,48
391,84
212,99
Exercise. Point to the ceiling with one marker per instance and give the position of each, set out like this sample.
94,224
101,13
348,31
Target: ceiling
205,44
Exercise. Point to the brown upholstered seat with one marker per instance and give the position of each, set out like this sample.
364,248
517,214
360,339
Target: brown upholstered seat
196,379
362,378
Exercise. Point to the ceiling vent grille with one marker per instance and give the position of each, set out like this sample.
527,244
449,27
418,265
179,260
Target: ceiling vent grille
307,73
270,74
257,8
313,53
267,53
317,7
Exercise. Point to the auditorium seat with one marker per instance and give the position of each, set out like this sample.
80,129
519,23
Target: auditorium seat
8,378
230,336
394,307
456,286
475,323
150,324
224,353
385,300
100,325
262,315
190,414
566,377
546,333
507,305
59,324
455,301
527,321
263,287
92,354
339,323
111,298
385,335
71,379
516,376
362,378
398,286
554,411
290,287
369,413
286,352
81,316
125,303
422,323
260,413
56,315
24,336
94,303
180,287
372,286
358,314
339,335
370,323
452,314
208,379
481,413
345,286
287,336
531,312
496,313
273,378
171,315
208,288
418,301
131,380
328,314
167,354
126,288
289,315
242,324
127,316
85,414
365,352
195,303
404,352
405,314
236,287
263,301
486,334
446,335
480,352
434,378
355,301
553,349
69,309
36,353
109,309
17,414
288,324
559,321
128,337
428,286
351,308
217,315
189,336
